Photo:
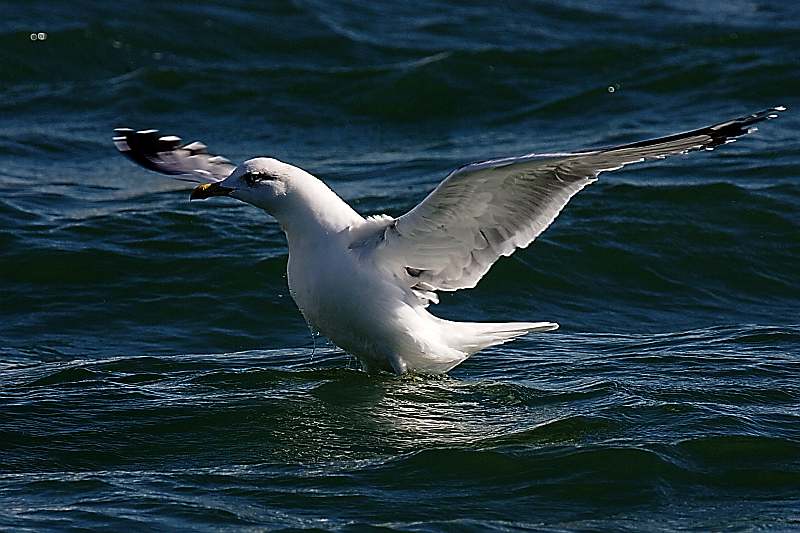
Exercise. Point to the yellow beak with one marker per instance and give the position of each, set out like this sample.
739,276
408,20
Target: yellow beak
207,190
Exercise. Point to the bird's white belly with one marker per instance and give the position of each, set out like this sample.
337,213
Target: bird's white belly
356,309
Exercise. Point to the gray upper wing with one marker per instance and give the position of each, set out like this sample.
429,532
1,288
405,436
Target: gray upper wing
486,210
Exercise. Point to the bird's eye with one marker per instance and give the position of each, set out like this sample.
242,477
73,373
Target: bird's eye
251,179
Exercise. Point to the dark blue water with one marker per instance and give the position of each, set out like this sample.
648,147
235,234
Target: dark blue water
155,374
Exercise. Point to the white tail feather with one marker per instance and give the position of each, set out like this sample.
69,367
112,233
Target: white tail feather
470,337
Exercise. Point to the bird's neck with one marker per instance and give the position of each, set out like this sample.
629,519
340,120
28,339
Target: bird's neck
312,211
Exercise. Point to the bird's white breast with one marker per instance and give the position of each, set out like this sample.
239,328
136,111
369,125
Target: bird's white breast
354,305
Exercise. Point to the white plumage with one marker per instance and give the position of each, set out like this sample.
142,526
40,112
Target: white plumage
366,283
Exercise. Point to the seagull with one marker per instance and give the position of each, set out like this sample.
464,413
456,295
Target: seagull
366,282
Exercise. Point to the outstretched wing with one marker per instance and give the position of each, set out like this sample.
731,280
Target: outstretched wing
486,210
166,154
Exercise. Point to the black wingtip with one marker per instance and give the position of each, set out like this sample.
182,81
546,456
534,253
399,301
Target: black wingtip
168,155
727,132
721,133
142,146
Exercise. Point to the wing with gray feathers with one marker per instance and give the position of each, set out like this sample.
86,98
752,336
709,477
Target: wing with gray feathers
486,210
166,154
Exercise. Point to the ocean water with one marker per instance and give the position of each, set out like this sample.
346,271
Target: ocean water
155,374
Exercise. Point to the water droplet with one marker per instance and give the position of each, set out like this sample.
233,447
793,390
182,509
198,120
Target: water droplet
611,88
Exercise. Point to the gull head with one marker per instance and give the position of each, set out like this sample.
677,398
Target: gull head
297,200
263,182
